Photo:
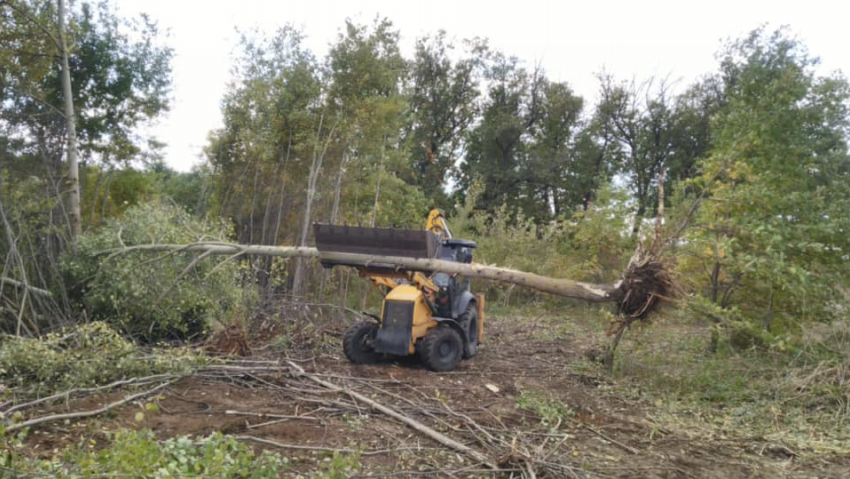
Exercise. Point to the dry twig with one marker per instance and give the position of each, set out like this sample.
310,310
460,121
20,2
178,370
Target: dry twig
82,414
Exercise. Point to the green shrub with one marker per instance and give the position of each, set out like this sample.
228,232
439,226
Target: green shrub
85,355
340,466
552,410
140,454
152,296
589,245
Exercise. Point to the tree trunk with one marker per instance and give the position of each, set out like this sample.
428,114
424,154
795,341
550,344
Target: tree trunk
596,293
335,212
378,185
638,219
73,168
313,176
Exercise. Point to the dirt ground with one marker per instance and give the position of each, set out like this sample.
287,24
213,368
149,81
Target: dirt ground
596,433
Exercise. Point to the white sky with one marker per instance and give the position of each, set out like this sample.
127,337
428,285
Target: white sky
572,40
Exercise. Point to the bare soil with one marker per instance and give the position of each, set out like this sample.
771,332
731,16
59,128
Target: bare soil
600,435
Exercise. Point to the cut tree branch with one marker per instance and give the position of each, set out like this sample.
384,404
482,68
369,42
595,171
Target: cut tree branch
437,436
31,289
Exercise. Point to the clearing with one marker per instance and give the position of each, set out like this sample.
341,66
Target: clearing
531,400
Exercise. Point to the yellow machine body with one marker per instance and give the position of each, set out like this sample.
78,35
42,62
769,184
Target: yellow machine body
422,320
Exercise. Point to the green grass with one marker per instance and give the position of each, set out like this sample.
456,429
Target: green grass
798,395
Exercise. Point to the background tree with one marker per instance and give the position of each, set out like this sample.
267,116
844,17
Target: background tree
552,179
497,145
443,103
768,249
639,118
119,76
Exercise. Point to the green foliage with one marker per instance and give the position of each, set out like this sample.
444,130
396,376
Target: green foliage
590,245
187,190
443,103
271,128
769,249
155,298
120,74
108,193
783,392
496,153
400,205
551,410
139,454
86,355
340,466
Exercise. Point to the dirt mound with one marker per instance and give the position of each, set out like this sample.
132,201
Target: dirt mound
230,341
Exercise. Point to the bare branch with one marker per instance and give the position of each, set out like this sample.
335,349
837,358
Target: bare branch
93,412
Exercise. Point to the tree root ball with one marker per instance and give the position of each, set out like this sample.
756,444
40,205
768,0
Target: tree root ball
648,282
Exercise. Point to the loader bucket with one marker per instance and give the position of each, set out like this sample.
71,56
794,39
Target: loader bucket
376,241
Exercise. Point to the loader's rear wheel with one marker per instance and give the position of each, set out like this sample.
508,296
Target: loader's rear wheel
469,322
356,345
441,348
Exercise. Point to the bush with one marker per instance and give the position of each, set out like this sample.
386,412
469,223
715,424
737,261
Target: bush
140,454
153,296
85,355
589,245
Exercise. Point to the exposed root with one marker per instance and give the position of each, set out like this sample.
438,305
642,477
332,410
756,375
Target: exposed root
648,281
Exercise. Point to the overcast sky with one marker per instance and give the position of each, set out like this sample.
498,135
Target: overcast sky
572,40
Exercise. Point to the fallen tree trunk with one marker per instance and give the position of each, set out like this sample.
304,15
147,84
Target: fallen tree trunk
32,289
597,293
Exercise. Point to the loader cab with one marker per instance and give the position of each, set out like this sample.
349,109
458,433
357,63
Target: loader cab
454,294
457,250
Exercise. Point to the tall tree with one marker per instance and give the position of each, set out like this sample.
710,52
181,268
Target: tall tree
70,120
76,82
771,237
640,120
693,111
553,174
113,73
268,155
443,97
367,69
497,146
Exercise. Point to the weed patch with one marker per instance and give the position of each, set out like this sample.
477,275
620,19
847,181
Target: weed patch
140,454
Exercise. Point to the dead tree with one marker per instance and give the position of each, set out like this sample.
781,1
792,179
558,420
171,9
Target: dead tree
636,292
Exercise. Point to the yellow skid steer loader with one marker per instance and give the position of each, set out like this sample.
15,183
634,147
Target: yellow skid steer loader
435,316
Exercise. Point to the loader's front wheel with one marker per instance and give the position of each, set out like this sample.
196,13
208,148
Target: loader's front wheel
441,349
356,343
469,322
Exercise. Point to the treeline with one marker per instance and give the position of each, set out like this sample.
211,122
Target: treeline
753,159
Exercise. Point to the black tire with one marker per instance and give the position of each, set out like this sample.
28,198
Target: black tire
354,343
469,323
441,348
